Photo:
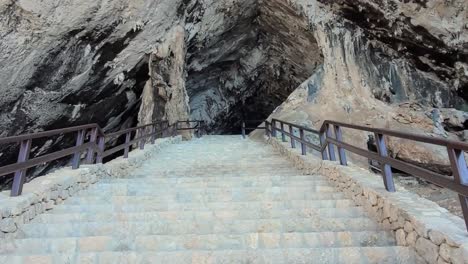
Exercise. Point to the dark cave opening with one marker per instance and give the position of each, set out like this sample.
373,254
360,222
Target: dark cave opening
251,68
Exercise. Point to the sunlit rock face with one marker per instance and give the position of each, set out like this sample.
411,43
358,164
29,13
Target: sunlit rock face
394,64
121,63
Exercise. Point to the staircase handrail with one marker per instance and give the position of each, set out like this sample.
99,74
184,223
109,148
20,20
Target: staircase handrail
90,138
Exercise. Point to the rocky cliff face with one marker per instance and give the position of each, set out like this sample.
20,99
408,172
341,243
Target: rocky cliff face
394,63
384,66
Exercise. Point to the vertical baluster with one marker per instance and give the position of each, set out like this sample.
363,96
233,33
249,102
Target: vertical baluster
273,128
128,137
142,136
303,145
187,123
77,156
386,168
291,132
341,151
102,147
460,174
323,143
20,175
283,134
331,147
92,139
153,134
243,129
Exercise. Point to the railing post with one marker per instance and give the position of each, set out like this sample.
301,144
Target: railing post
101,146
341,151
20,175
460,174
323,143
386,169
331,147
243,129
93,138
283,135
273,128
127,144
142,135
77,156
303,145
291,132
153,134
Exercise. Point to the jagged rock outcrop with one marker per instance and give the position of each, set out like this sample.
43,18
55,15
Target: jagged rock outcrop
120,63
383,67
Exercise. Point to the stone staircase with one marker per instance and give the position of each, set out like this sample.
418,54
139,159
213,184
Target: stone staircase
219,199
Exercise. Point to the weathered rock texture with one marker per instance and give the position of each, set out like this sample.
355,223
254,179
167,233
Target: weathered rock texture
120,63
383,66
434,233
45,193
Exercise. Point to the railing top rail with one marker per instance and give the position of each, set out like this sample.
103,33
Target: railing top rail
404,135
297,126
15,139
121,132
331,136
95,146
191,121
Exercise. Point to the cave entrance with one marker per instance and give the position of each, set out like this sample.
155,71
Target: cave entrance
250,68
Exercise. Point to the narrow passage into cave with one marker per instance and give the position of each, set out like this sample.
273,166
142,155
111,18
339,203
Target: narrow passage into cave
252,67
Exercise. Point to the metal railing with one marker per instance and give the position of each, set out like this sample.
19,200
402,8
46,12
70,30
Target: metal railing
246,128
330,136
90,139
198,125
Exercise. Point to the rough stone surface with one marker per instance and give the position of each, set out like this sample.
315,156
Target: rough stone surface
432,231
45,193
118,63
220,199
427,250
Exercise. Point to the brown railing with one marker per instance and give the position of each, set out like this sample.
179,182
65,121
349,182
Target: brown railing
90,139
198,126
246,126
331,137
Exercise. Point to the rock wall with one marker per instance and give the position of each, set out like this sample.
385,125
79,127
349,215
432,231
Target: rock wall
245,58
436,235
164,96
368,79
392,63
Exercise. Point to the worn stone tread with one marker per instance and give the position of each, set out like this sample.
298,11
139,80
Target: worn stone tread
270,213
211,200
390,255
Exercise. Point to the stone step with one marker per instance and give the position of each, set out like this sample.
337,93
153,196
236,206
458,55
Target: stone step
181,227
161,243
209,173
213,184
176,190
349,255
202,215
110,197
213,206
291,179
188,197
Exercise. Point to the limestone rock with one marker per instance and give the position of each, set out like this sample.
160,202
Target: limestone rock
400,237
427,250
7,225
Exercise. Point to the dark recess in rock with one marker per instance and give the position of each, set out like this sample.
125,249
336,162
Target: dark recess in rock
252,67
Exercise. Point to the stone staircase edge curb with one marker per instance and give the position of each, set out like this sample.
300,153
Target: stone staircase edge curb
435,234
44,193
